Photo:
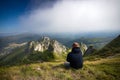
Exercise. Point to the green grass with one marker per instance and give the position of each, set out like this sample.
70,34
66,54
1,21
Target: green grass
13,58
111,48
94,69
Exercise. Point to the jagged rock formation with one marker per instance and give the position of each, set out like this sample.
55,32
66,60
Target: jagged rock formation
45,49
83,48
47,44
90,50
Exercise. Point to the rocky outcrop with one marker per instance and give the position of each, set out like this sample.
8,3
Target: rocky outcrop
47,44
83,48
90,50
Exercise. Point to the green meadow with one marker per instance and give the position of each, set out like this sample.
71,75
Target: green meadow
94,69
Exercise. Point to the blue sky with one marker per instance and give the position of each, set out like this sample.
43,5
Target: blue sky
18,16
10,10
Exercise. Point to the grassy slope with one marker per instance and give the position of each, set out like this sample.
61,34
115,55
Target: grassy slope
95,69
14,58
111,48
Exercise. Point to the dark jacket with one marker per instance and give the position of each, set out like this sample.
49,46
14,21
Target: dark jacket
75,58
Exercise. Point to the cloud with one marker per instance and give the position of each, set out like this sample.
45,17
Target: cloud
74,16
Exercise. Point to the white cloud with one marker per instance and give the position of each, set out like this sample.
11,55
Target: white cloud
75,16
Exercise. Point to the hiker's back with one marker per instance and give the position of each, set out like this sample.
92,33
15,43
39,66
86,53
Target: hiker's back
75,58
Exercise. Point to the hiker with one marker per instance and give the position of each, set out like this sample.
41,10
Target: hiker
74,58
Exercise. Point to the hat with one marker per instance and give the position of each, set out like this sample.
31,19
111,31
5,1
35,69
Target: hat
75,44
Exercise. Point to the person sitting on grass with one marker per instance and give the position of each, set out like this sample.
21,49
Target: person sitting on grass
75,57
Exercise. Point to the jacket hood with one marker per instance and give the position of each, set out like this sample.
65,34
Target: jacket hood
76,50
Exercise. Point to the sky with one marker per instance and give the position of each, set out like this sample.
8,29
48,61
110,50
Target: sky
59,16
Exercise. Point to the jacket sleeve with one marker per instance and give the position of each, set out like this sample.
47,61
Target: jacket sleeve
68,57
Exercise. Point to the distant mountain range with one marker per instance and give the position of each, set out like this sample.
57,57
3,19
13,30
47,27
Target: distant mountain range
98,41
30,48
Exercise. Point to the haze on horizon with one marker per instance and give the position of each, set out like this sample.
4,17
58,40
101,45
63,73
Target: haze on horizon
51,16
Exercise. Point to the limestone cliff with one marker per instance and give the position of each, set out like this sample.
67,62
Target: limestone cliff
47,44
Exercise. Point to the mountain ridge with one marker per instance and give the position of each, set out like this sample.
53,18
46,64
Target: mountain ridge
44,49
111,48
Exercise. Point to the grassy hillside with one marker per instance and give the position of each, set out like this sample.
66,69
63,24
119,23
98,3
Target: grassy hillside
13,58
99,69
111,48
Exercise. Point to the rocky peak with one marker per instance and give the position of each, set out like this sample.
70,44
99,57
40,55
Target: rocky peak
83,48
57,47
47,44
90,50
44,39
